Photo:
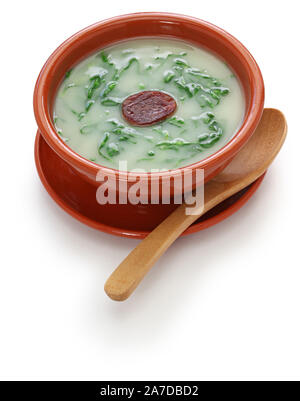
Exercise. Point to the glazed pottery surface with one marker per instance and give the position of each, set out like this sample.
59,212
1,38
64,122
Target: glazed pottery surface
129,26
78,198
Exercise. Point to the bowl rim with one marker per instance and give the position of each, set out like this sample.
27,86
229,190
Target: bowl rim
250,121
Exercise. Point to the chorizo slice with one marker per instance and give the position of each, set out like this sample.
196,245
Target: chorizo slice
148,107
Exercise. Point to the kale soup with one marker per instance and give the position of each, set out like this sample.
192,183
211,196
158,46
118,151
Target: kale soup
154,103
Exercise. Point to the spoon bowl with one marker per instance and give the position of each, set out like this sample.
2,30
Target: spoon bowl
247,166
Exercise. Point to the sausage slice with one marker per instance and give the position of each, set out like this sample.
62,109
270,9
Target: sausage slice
148,107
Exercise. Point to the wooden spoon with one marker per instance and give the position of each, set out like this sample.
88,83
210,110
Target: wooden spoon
248,165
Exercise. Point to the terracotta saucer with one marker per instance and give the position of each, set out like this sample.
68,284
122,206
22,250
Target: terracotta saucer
78,198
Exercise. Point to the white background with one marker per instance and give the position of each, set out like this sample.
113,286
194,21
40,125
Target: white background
221,304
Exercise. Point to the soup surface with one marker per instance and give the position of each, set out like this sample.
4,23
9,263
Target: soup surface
89,107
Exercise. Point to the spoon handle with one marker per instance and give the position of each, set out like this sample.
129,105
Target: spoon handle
249,164
135,266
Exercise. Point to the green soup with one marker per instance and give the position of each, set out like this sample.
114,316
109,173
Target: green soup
88,106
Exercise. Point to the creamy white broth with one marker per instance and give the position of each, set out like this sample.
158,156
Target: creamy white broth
210,105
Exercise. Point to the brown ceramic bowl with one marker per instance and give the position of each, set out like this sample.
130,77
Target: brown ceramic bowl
166,25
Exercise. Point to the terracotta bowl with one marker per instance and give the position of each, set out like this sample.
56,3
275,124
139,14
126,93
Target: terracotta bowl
165,25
